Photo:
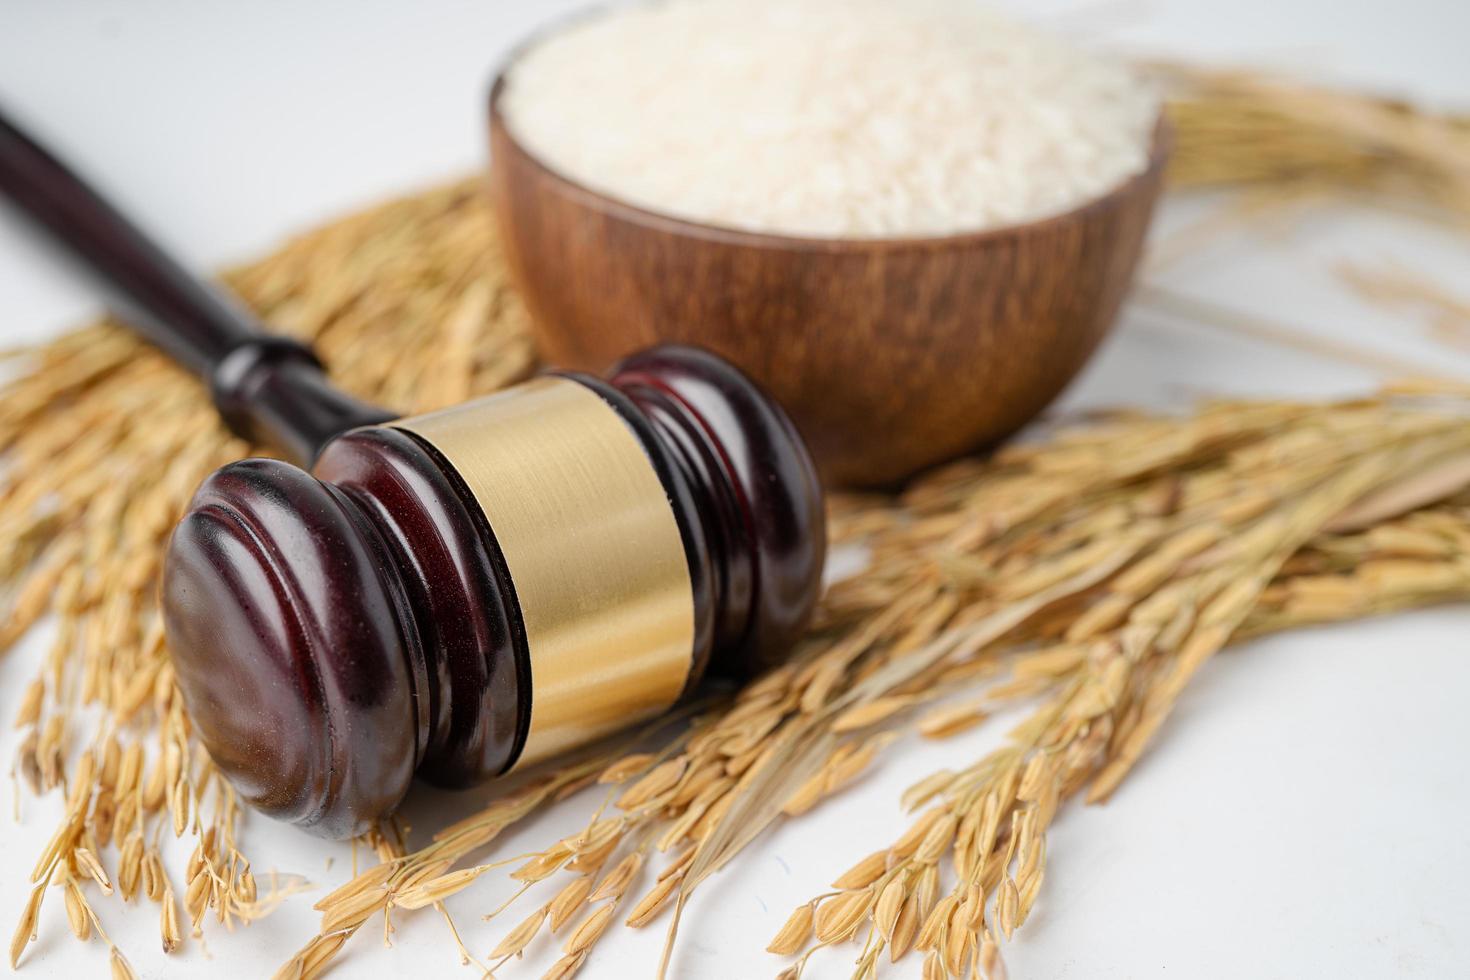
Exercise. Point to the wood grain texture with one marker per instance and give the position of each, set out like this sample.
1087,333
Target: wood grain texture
339,631
890,355
268,389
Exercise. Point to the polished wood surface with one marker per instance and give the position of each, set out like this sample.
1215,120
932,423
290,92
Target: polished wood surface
755,491
269,389
336,632
890,355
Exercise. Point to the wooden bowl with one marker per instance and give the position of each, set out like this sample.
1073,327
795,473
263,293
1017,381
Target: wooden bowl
890,354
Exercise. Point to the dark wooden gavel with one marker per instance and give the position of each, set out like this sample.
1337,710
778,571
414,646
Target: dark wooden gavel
459,593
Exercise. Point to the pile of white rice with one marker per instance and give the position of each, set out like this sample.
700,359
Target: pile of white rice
830,118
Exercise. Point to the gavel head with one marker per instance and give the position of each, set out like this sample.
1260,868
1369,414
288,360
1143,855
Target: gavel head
461,593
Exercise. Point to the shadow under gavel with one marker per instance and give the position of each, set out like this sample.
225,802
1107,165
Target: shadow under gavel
460,593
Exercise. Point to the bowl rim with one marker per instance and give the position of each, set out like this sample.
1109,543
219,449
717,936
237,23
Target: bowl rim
1161,141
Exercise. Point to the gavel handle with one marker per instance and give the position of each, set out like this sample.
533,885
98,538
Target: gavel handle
268,388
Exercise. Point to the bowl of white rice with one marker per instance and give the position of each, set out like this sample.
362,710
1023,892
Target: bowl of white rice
911,220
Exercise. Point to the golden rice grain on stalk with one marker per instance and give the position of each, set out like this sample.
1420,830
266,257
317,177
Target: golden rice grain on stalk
845,767
794,933
864,715
864,873
198,895
77,915
87,862
953,549
566,967
155,879
926,789
30,704
49,751
312,960
591,928
28,761
713,817
889,906
838,917
130,866
121,970
653,903
910,840
905,929
130,769
706,779
25,929
596,834
168,924
375,877
936,840
103,818
591,860
568,901
411,879
543,865
694,813
245,886
662,779
679,864
806,796
518,938
947,720
625,768
956,945
619,878
992,967
155,788
1029,892
347,914
1008,907
936,921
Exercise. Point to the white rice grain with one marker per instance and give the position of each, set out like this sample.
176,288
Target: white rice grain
830,118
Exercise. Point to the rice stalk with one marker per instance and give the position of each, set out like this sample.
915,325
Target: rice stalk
1288,140
1090,574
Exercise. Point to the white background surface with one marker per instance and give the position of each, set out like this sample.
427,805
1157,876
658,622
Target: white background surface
1304,813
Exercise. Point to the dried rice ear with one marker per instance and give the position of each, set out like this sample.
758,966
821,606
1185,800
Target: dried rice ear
394,297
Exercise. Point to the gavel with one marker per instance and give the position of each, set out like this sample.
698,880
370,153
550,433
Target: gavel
459,594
